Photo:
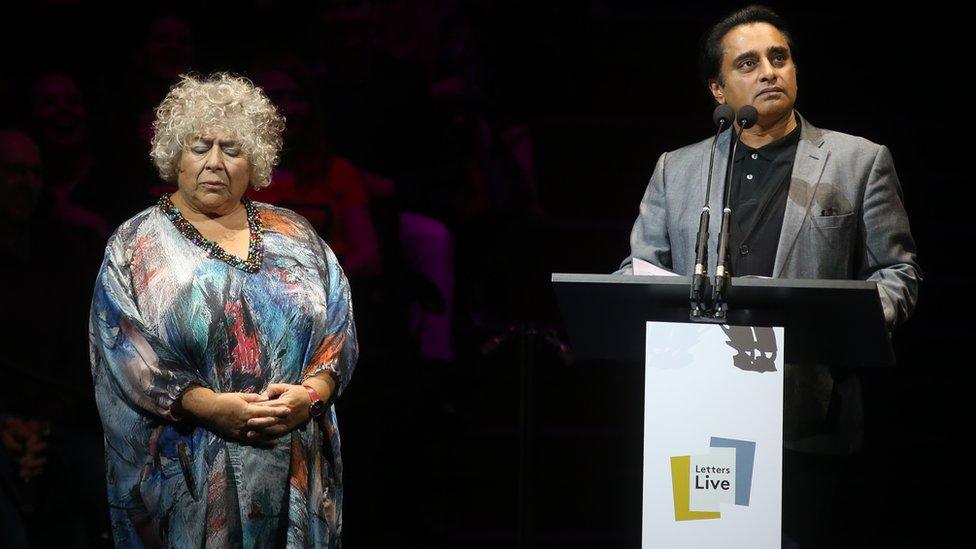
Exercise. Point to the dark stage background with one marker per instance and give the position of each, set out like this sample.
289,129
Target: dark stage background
525,133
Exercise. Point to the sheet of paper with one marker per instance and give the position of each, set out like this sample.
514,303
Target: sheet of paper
645,268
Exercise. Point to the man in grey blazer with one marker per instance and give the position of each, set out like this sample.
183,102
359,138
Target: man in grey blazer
811,203
844,218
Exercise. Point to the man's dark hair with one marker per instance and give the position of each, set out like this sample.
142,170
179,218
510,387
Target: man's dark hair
711,51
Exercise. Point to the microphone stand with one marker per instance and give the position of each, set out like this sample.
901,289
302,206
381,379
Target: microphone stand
700,276
746,117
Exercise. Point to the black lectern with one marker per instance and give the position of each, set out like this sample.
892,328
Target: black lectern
834,322
839,323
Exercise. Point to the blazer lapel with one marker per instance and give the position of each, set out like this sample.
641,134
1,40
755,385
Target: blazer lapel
811,157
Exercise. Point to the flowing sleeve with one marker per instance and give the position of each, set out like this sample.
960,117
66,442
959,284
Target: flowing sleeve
128,357
337,349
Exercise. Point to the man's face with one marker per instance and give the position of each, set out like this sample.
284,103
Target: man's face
168,48
20,176
290,99
58,111
757,70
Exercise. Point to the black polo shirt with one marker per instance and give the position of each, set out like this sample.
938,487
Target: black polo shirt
758,200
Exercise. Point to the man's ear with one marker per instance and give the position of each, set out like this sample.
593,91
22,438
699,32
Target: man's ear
716,89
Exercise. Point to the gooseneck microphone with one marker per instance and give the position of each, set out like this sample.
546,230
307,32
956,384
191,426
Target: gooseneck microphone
723,117
746,117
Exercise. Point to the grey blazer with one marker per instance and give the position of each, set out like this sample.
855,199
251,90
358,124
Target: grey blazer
866,238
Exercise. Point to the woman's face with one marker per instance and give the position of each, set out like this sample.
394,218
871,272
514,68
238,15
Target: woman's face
213,172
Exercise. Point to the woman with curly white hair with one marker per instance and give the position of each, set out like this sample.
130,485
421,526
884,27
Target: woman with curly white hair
221,333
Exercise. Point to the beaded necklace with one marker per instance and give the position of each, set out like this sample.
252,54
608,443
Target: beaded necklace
255,247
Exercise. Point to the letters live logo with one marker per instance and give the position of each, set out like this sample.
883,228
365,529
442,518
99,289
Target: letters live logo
702,483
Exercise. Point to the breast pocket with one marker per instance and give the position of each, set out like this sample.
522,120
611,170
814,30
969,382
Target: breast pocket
832,221
830,242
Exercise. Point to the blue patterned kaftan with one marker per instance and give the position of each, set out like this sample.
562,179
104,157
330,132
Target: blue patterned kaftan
167,315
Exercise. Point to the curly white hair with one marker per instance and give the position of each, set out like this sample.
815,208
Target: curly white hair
224,101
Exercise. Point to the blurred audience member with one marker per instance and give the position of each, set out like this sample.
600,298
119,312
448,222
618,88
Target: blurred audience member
379,113
313,181
428,250
86,190
51,445
165,52
59,121
378,110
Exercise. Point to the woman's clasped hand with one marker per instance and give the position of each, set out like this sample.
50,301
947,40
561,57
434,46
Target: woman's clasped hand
254,418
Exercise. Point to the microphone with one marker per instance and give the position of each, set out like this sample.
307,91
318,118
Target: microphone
746,117
723,117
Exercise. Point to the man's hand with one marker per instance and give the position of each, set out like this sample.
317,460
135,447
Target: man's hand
32,461
294,398
24,440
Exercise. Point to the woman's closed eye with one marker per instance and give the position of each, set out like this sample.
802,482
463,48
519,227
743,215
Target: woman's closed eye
203,147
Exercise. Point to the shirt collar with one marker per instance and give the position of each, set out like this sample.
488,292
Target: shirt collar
771,151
